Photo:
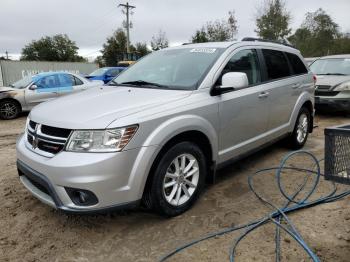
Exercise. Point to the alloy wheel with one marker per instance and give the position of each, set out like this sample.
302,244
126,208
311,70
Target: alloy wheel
8,110
302,128
181,179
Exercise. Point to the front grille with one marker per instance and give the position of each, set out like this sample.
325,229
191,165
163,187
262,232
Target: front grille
50,147
46,139
323,87
32,124
55,131
326,93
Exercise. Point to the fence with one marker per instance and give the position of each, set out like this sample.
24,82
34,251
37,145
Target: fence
12,71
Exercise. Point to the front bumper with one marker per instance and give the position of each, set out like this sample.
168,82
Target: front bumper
117,179
333,103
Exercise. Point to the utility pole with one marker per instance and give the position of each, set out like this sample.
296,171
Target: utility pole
127,7
7,55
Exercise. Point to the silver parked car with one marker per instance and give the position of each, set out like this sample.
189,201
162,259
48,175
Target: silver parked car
333,83
28,92
162,128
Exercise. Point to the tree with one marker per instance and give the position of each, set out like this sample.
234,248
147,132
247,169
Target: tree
141,49
159,41
55,48
218,30
114,49
319,35
273,23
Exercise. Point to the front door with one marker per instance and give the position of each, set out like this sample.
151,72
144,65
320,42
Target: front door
45,88
243,113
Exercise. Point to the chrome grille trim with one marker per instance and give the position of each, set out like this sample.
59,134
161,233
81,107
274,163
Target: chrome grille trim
44,144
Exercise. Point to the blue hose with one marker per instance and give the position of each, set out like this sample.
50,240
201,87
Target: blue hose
279,213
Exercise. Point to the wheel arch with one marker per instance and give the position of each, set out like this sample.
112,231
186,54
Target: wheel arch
304,100
200,132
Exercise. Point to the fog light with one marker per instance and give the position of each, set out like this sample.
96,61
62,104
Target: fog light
81,197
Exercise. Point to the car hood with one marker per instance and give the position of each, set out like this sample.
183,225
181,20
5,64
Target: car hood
329,80
97,107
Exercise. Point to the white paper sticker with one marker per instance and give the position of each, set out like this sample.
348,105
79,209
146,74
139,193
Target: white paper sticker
203,50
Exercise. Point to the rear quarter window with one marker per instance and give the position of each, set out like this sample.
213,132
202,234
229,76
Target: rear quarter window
297,65
276,64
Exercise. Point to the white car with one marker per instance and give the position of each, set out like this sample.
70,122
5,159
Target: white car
28,92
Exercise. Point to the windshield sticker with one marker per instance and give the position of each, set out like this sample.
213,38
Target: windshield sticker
203,50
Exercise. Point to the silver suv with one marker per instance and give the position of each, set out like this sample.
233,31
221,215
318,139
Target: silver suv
162,128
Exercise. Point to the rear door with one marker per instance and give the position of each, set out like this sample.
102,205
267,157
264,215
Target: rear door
46,88
243,113
284,89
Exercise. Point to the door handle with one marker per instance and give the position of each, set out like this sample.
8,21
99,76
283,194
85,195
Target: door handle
264,94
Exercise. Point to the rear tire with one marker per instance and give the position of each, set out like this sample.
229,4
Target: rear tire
9,109
301,130
178,180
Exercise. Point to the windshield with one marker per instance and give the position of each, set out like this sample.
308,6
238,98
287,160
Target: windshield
182,69
24,82
99,72
331,66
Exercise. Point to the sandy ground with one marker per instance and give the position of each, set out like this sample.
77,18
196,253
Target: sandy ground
32,231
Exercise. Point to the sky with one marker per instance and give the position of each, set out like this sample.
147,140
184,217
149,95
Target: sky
90,22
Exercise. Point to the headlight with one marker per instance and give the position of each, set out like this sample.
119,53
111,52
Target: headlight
343,87
109,140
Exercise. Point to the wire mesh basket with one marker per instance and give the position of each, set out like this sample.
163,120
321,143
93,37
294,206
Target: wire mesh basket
337,154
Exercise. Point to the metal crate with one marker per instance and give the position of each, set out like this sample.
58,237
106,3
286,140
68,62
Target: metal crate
337,154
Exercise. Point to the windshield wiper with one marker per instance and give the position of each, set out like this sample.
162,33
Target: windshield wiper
332,74
141,83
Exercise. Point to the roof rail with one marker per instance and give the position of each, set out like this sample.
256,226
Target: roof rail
281,42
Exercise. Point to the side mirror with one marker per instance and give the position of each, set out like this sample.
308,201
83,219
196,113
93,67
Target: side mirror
236,80
231,81
33,87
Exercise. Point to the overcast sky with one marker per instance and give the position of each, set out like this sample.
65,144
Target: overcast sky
89,22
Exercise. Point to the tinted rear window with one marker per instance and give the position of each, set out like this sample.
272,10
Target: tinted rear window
297,65
276,63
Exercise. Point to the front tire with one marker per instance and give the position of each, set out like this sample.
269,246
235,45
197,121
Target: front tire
178,179
301,130
9,109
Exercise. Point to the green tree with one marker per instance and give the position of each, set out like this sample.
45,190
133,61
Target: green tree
114,49
55,48
319,35
218,30
273,22
159,41
141,49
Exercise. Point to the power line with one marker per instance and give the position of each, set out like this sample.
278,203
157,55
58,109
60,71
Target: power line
127,7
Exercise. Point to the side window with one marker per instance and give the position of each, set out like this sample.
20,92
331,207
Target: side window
76,81
48,82
245,61
276,64
65,80
297,65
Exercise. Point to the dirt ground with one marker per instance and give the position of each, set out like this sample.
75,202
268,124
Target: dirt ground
32,231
